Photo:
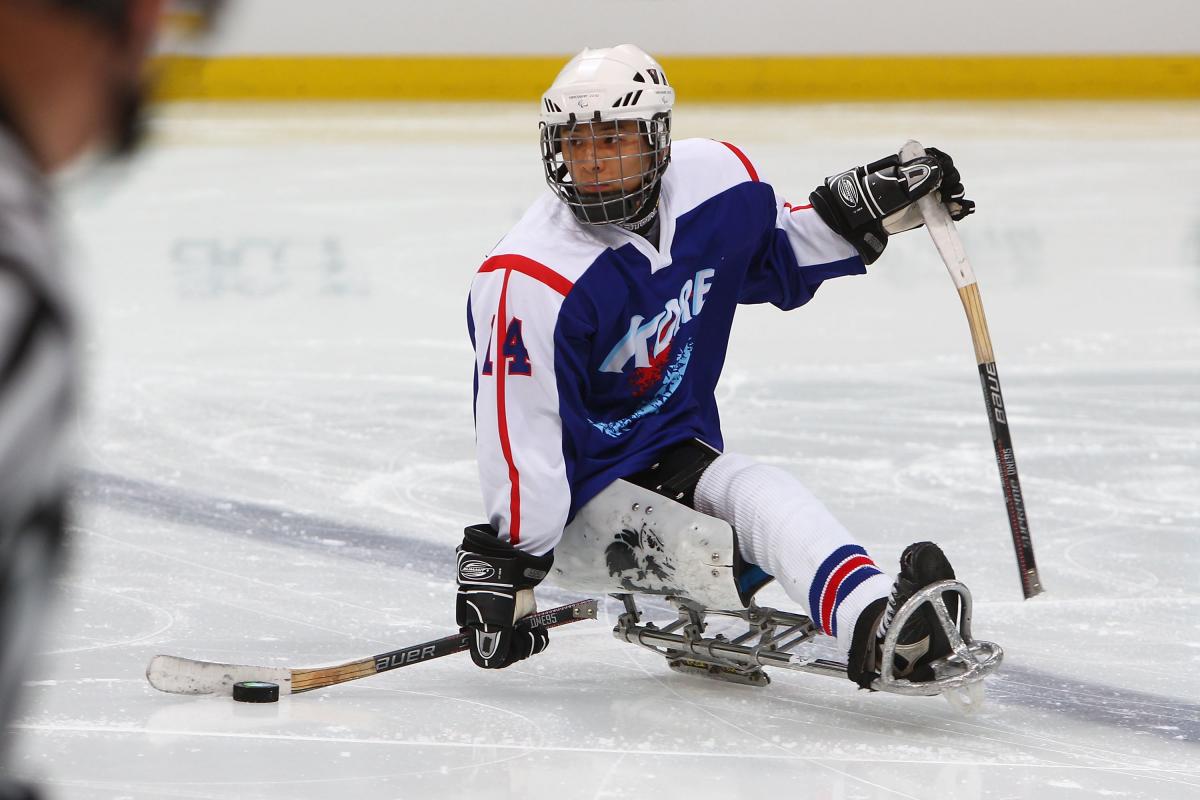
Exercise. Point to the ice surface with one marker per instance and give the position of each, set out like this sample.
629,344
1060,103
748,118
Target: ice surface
278,462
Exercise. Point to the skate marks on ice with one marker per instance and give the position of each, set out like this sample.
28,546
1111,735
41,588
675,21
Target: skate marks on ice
886,746
142,621
1108,706
1016,685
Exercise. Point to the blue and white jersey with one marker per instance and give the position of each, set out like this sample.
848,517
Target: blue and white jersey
594,350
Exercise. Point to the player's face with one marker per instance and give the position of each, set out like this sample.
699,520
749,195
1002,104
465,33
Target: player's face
606,156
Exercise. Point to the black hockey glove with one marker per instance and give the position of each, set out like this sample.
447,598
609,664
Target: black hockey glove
866,204
495,592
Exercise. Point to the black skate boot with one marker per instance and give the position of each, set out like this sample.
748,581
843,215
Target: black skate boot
922,639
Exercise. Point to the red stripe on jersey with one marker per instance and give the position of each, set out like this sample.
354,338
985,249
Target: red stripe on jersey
829,596
527,266
510,263
794,209
745,161
501,370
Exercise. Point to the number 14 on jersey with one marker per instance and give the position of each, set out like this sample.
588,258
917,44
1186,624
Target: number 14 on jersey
512,351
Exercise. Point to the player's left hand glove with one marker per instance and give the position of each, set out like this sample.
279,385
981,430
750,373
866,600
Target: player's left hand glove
866,204
495,595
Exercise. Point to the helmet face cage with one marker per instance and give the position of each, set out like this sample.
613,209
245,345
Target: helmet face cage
628,165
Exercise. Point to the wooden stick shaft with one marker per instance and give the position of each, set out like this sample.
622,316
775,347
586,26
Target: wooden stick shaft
980,337
305,680
949,246
1006,460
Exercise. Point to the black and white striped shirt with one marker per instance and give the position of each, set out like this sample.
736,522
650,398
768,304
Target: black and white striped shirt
37,387
37,348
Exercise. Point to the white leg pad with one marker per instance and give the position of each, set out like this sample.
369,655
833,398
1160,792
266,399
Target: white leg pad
629,539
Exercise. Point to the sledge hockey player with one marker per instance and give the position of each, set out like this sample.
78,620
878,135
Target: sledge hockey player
71,78
600,324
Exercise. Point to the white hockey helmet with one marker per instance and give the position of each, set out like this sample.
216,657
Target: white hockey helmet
608,85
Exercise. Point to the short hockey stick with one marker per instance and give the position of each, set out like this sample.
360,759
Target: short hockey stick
945,238
185,676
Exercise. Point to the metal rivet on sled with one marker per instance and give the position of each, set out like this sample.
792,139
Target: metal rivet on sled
716,557
649,509
716,573
635,506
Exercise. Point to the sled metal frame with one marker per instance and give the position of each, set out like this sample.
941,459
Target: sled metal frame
776,639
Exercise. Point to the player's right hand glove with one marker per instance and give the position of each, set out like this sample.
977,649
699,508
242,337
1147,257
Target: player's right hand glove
495,595
866,204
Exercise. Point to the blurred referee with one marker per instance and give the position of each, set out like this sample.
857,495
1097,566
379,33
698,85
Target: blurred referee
72,81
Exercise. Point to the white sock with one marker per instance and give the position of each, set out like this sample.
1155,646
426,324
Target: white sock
788,532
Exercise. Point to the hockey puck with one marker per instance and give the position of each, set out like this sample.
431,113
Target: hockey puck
256,692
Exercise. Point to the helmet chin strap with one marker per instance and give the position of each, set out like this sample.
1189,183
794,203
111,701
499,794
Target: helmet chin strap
645,222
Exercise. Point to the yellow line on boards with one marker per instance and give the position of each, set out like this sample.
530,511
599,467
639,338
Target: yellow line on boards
355,78
715,78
